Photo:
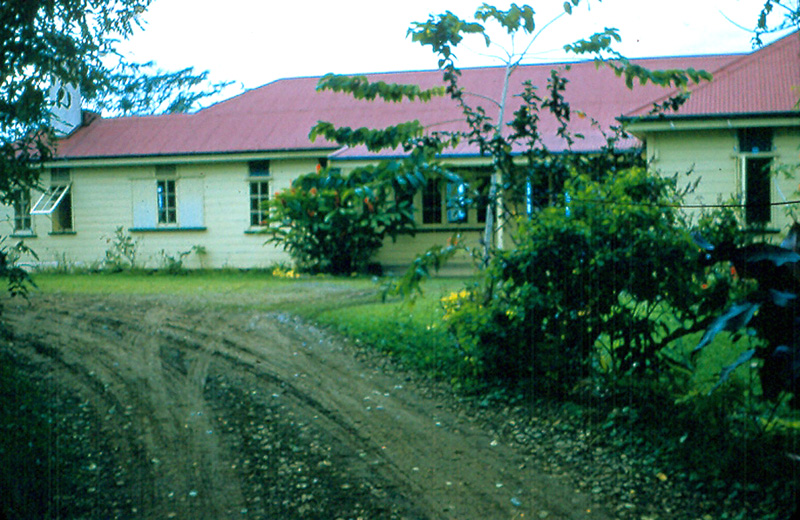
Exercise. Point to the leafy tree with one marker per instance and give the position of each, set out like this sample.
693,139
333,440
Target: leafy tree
70,41
142,88
45,42
531,316
790,9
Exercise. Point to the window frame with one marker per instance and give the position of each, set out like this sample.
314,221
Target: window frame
259,184
431,206
23,219
57,202
756,213
50,199
755,158
166,202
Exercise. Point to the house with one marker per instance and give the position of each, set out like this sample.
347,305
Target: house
740,134
176,181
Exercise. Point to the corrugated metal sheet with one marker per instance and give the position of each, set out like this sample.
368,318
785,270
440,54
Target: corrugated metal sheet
765,81
279,115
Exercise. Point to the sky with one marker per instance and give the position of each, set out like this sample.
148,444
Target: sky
255,42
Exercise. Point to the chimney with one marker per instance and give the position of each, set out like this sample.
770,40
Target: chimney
65,108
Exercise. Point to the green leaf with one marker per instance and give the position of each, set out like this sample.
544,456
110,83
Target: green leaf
726,372
361,88
375,140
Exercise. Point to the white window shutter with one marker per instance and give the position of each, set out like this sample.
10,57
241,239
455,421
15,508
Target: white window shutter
144,203
190,202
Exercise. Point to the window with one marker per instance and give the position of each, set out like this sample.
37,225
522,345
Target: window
755,147
259,192
757,187
57,201
432,202
23,222
170,202
755,140
483,199
166,202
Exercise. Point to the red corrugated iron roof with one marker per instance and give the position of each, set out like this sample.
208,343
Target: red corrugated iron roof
765,81
279,115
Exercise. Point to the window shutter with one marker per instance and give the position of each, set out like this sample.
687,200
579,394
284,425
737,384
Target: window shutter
190,202
144,203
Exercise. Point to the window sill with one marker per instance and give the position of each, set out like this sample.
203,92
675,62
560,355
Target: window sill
62,233
452,228
255,230
761,230
23,234
166,229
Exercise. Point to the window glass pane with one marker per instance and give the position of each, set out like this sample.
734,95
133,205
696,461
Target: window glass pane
22,215
483,198
165,196
757,191
49,200
755,140
432,202
259,195
62,216
59,176
259,168
166,170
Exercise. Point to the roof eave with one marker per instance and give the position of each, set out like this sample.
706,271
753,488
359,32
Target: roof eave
189,157
636,124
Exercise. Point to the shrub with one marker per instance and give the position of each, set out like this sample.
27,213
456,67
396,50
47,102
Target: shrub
605,282
334,223
121,252
173,264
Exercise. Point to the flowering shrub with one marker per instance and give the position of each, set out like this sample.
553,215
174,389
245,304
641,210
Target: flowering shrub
332,223
585,288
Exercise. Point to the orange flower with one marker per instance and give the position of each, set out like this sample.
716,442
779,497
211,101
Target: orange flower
313,191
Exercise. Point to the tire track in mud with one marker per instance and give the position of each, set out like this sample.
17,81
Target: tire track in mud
155,414
250,414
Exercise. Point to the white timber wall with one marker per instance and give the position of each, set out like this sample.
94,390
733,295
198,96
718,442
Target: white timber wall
107,197
713,157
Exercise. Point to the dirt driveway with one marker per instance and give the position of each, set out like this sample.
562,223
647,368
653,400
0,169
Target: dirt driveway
180,412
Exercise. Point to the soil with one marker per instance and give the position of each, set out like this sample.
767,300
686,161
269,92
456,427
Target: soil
160,407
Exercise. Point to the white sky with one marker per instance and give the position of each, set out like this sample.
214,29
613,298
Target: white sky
254,42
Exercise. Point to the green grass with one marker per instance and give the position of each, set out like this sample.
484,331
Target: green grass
224,289
411,334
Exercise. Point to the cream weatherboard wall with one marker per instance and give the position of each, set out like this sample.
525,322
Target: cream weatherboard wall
713,156
212,210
